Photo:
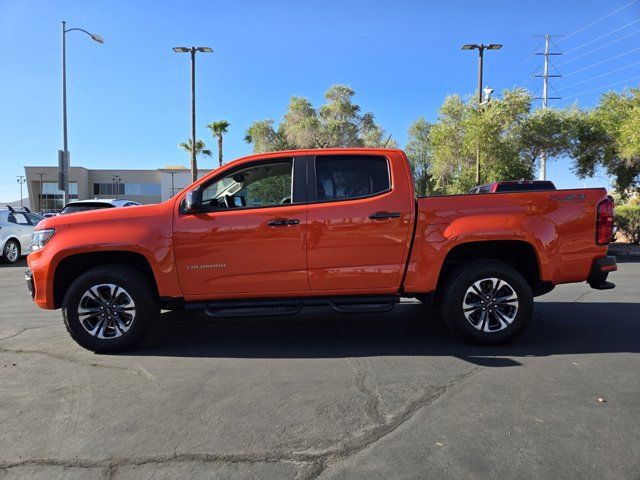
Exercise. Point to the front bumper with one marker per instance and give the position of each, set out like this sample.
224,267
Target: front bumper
599,272
37,279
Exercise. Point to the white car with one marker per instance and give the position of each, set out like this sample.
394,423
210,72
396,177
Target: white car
96,204
15,233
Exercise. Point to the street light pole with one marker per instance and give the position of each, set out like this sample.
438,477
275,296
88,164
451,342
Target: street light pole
480,67
64,94
21,181
63,156
116,182
481,48
194,165
173,190
40,196
192,51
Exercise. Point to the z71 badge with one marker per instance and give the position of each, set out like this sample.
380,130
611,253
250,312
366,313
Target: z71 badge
566,197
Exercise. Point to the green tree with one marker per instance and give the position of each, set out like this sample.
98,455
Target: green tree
464,131
451,156
548,132
218,130
420,154
609,137
628,221
337,123
265,137
271,190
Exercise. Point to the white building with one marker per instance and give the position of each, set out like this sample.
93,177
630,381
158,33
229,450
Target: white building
143,186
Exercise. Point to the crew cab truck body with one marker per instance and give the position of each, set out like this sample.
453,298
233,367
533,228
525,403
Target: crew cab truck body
272,233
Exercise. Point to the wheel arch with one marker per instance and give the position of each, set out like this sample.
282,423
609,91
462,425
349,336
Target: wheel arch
17,240
72,266
519,254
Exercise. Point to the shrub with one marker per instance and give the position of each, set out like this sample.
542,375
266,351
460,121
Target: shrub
628,222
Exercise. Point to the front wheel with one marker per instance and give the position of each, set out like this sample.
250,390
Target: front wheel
488,302
110,308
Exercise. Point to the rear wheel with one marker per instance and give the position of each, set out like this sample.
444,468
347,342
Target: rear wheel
488,302
110,308
11,251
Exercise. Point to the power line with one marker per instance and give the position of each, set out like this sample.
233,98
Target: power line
599,48
517,67
545,93
613,12
600,76
600,63
529,76
601,37
603,87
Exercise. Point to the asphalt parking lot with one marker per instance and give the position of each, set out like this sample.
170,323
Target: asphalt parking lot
326,396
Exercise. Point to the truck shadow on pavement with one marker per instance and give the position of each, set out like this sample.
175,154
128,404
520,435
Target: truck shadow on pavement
559,328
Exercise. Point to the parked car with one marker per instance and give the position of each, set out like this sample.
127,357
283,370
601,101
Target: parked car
272,233
49,213
514,186
16,227
96,204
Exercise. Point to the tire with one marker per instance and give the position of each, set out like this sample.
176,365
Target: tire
491,323
110,308
11,251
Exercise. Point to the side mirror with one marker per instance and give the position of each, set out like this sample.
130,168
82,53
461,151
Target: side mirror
193,201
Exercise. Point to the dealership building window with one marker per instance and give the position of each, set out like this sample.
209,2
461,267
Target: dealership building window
138,189
52,199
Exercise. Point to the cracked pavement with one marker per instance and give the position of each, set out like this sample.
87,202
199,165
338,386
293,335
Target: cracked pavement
321,395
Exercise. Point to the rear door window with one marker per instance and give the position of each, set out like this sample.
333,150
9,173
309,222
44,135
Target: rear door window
340,177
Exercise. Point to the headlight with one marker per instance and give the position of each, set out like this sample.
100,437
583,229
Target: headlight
39,238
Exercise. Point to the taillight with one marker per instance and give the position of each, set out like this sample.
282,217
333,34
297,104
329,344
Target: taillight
604,221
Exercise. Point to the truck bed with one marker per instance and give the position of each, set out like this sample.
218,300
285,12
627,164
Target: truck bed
559,225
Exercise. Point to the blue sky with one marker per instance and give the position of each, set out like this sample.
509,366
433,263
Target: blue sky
129,98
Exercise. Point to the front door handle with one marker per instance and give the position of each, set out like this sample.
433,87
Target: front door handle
384,215
283,222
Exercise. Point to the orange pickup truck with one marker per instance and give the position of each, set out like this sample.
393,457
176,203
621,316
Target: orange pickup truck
270,234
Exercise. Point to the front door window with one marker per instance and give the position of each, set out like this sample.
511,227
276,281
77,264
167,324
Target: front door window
262,185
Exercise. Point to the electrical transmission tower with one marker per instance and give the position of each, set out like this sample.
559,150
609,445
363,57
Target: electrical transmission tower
545,89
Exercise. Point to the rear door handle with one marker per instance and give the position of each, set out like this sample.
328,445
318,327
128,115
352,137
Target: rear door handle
283,222
384,215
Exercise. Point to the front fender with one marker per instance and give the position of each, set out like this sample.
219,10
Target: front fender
144,231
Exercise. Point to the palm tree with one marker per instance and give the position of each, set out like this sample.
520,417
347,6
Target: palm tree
200,150
218,129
